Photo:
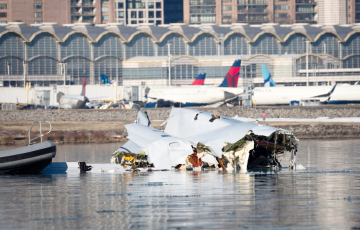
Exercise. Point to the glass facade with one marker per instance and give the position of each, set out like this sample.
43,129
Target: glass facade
204,44
44,55
236,45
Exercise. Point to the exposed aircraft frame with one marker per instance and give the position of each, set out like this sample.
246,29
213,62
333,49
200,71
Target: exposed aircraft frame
221,143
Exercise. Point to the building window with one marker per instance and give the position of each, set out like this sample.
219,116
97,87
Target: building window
151,21
158,5
226,16
104,9
105,18
3,14
38,22
141,21
158,14
141,14
158,22
225,8
151,14
105,1
121,22
133,14
120,5
281,7
281,15
151,5
3,6
37,6
121,14
38,14
133,22
3,22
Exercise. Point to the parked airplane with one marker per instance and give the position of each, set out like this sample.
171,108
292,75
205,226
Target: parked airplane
74,101
344,94
268,80
197,96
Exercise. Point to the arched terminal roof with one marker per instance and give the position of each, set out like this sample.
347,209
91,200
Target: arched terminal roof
22,29
59,31
190,33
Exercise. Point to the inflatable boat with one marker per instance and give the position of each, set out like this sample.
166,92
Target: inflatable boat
31,159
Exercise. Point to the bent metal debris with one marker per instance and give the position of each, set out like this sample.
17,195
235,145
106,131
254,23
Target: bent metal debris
197,140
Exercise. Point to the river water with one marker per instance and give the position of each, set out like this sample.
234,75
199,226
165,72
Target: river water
324,196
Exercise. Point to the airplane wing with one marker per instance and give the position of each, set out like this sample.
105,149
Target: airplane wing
327,94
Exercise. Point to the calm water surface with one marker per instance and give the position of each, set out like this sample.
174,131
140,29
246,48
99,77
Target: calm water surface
324,196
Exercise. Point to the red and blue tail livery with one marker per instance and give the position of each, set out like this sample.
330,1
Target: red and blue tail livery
200,80
232,77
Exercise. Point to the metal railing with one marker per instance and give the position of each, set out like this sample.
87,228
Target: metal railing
41,135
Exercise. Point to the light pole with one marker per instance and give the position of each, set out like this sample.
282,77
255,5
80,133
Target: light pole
63,68
168,44
307,63
8,71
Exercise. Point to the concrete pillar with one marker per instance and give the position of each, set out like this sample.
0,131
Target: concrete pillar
292,11
25,72
123,47
156,49
340,55
270,10
218,15
92,65
111,6
98,11
234,13
186,10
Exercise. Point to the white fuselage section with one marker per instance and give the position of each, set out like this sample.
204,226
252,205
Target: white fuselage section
201,95
73,101
283,95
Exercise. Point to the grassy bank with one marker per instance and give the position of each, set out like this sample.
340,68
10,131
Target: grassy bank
16,133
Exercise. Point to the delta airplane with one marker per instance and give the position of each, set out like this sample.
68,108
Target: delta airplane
272,95
197,96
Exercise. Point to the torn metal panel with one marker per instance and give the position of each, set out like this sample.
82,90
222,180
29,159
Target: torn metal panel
222,142
162,150
196,126
167,153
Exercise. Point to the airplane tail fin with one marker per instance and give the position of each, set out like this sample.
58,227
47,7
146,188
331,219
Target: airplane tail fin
142,117
268,80
199,80
83,87
232,77
104,79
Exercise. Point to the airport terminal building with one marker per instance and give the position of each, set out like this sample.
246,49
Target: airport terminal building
48,54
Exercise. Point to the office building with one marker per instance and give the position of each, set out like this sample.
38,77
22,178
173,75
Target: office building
249,11
126,12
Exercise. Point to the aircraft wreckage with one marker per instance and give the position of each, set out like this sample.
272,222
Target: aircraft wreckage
195,140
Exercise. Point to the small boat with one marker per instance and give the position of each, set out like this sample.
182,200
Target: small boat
30,159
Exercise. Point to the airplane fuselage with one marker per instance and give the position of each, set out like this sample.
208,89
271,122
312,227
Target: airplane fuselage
194,95
73,101
283,95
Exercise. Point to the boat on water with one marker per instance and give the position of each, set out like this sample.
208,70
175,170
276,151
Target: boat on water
30,159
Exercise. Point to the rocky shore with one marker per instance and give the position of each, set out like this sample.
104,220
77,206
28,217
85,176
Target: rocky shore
101,126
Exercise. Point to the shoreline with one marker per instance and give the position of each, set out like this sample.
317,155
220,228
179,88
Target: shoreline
75,132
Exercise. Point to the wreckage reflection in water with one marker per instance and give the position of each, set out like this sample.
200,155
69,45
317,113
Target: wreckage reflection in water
325,195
